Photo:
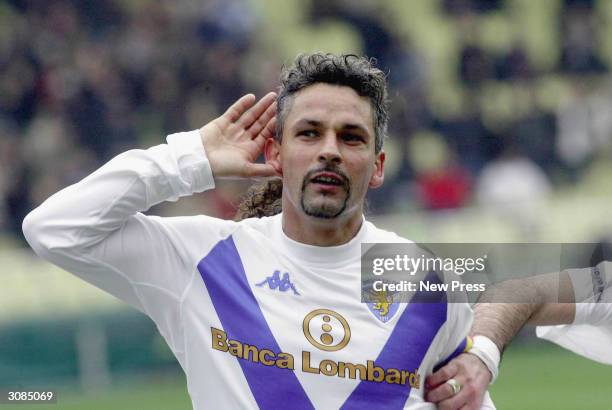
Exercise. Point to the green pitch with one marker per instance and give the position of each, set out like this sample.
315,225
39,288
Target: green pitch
548,377
532,378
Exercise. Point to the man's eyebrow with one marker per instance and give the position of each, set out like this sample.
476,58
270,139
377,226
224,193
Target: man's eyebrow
359,127
306,121
345,127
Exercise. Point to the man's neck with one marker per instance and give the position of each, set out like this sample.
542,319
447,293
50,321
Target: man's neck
320,231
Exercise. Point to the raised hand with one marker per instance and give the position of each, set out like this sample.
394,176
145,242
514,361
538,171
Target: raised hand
235,140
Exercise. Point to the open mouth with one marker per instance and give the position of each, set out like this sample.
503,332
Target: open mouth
328,179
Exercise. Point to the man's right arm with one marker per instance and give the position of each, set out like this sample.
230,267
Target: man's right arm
95,230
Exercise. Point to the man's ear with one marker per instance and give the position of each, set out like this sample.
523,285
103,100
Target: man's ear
273,155
378,176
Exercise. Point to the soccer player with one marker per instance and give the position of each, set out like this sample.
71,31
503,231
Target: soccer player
265,312
572,308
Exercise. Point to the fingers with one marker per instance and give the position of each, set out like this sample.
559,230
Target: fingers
234,112
443,374
440,393
262,120
247,119
468,399
472,376
260,171
268,132
454,403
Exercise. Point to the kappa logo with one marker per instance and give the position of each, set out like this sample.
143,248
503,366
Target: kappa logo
275,282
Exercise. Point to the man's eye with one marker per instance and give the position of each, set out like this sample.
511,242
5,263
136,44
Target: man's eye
352,137
308,133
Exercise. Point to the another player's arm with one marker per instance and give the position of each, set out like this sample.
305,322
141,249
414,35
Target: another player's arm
547,300
500,322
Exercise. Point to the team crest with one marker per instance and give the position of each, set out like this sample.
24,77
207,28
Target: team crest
382,305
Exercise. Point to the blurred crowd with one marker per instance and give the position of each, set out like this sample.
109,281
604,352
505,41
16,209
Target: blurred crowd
82,80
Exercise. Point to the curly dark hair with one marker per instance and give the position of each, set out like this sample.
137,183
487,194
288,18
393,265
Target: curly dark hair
261,199
359,73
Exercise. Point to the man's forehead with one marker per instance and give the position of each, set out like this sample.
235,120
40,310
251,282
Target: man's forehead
325,102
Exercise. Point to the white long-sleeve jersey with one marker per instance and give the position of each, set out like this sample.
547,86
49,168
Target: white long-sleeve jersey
591,333
255,319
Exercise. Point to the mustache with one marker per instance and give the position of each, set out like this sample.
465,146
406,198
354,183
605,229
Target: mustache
327,168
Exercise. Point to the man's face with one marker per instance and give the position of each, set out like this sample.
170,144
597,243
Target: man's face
327,154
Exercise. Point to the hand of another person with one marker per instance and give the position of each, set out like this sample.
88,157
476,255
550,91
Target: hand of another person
235,140
470,373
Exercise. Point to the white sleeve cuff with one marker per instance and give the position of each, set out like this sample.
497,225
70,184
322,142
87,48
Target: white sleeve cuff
582,284
590,284
194,167
582,313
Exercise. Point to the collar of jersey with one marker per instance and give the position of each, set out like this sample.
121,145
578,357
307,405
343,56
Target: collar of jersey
328,255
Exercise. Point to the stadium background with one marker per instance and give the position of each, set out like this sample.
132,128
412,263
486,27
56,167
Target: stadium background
501,131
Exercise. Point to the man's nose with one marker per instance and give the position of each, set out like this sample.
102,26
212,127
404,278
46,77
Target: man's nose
330,152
